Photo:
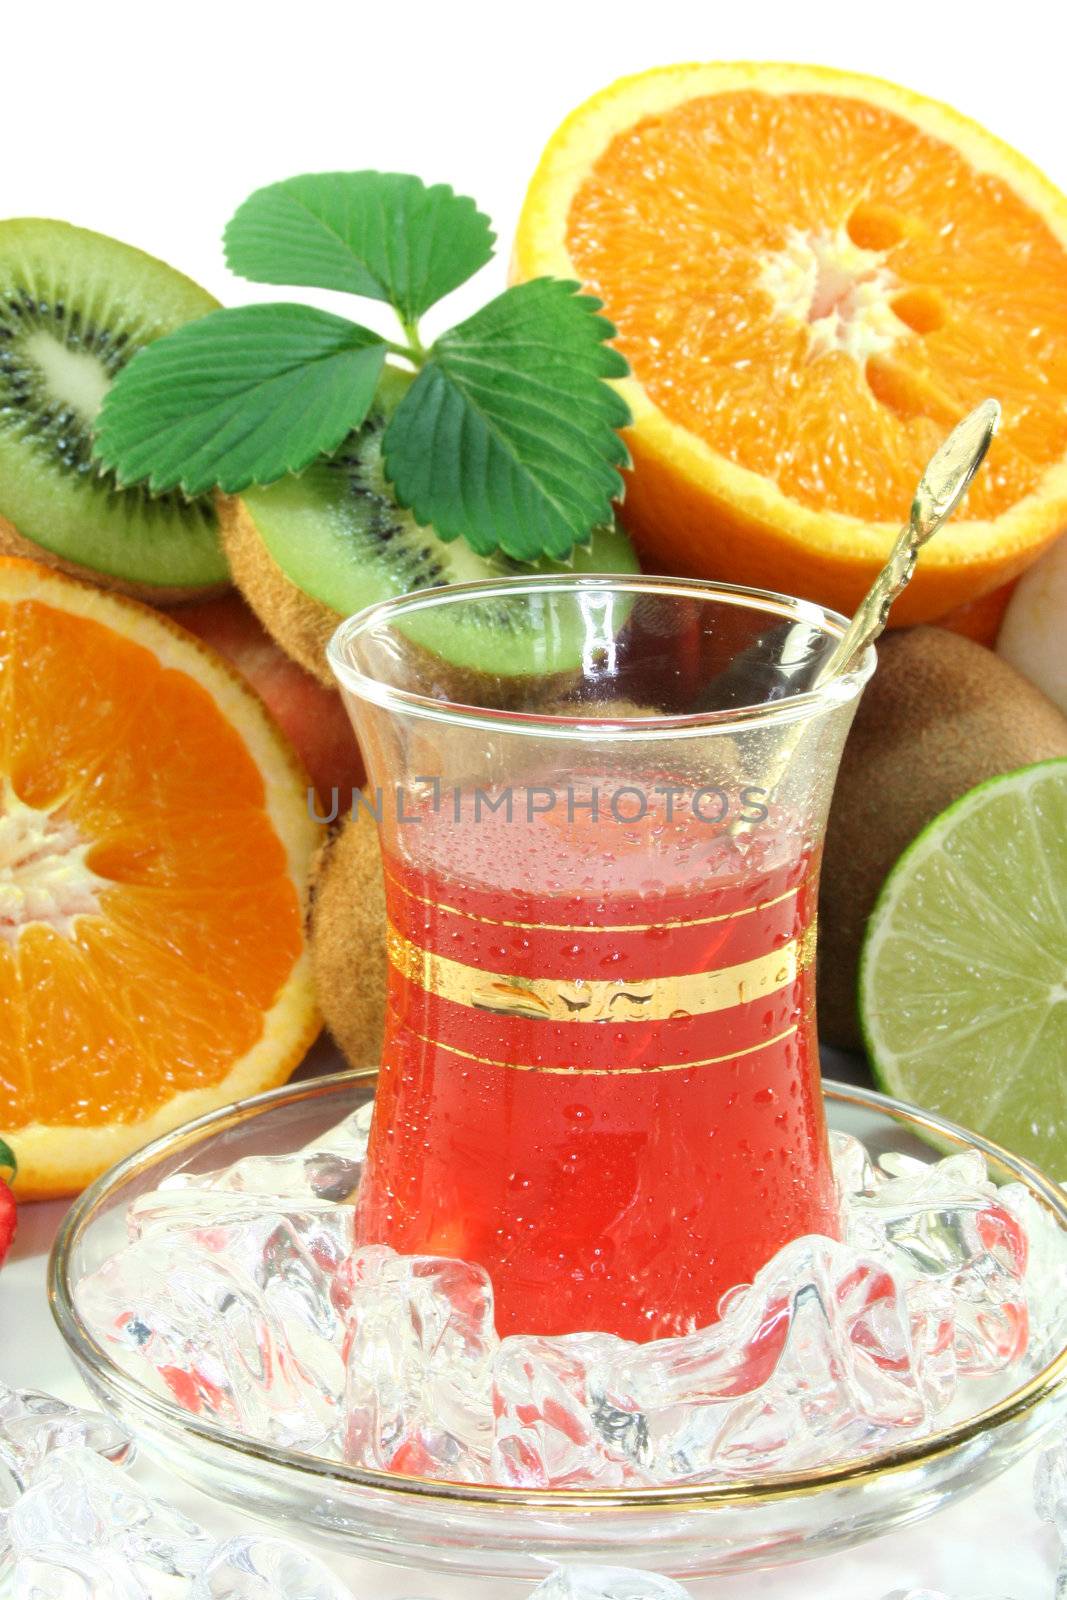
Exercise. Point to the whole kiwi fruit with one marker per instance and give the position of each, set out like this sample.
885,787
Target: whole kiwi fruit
347,938
940,715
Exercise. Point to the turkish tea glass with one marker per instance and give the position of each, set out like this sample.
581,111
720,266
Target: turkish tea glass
601,804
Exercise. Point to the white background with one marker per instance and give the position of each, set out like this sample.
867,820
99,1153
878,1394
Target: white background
153,121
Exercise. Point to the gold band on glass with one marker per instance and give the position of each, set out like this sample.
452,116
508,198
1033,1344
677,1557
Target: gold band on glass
604,1072
588,927
595,999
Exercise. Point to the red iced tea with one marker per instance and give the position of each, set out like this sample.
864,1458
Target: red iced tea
600,1074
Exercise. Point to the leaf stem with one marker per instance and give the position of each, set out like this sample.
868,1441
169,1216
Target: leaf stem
416,354
416,349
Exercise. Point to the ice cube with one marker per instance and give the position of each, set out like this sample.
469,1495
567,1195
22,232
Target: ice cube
550,1424
33,1424
816,1359
234,1321
258,1567
944,1221
318,1175
853,1170
350,1137
290,1255
933,1594
75,1574
18,1403
1050,1486
607,1583
82,1502
932,1311
12,1485
328,1168
325,1228
355,1274
1046,1273
418,1354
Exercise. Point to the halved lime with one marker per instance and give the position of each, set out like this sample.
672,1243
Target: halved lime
963,974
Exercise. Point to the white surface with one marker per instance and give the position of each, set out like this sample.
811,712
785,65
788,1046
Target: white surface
154,122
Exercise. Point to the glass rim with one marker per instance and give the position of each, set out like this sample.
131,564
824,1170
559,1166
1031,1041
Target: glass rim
836,691
92,1358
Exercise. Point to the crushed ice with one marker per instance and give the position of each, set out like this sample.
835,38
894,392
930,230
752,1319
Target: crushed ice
1050,1500
74,1526
245,1296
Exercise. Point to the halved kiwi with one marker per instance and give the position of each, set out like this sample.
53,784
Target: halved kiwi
75,306
310,550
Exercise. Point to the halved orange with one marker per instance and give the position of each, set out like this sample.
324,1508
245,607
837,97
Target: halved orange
814,274
155,841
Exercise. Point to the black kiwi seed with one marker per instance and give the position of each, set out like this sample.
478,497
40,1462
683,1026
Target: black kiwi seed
413,560
56,427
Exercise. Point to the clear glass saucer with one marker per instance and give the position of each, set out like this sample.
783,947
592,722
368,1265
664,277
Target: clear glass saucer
684,1531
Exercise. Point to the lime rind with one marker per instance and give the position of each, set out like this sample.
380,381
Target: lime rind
963,972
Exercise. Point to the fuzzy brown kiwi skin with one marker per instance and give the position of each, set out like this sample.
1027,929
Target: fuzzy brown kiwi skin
13,543
347,938
300,624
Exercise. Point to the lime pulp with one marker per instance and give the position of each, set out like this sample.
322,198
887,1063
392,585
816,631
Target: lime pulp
963,974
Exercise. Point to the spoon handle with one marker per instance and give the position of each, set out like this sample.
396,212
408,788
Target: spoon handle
873,611
941,488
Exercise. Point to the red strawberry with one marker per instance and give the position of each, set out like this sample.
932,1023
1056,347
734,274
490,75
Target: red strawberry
7,1200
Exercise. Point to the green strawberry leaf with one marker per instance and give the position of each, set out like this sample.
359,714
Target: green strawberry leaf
238,397
8,1165
508,436
384,235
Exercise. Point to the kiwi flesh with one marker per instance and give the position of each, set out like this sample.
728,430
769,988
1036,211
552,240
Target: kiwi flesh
75,307
310,550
